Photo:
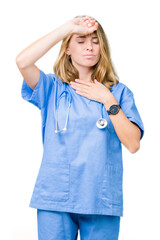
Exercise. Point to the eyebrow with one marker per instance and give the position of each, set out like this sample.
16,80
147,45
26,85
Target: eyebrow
85,37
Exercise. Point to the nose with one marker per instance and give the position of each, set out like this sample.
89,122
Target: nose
89,45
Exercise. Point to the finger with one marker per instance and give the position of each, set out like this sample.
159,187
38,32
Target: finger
95,25
86,18
83,82
81,87
92,28
82,93
90,23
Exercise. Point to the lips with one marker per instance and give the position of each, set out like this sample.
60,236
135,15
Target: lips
89,55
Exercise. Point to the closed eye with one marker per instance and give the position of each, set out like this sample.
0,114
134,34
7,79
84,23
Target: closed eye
93,42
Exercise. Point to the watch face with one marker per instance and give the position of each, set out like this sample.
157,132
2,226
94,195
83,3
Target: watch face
114,109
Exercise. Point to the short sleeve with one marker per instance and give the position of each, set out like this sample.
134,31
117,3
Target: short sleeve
129,108
39,95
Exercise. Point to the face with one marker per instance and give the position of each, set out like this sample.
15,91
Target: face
84,50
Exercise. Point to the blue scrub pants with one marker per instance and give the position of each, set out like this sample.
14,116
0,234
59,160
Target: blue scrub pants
55,225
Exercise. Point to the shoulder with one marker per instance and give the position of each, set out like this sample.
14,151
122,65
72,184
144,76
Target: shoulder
121,89
51,76
56,79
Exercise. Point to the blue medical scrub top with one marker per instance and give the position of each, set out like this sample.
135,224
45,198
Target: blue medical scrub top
81,169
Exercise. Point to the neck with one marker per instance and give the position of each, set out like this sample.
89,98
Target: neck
84,72
86,77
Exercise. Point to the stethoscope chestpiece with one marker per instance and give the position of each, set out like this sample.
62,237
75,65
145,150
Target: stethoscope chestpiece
101,123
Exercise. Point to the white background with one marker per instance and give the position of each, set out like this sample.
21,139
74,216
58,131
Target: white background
133,33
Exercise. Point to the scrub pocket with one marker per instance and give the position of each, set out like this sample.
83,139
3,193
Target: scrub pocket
55,181
111,188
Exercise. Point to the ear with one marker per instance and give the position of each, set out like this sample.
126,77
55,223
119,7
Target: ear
67,51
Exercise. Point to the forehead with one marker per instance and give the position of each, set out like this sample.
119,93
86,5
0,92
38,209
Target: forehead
92,35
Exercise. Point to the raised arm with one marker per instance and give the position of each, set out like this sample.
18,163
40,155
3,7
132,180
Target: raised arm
27,58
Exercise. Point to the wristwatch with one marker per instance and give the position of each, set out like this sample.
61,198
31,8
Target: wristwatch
114,109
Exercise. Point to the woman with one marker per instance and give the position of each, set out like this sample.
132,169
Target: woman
86,115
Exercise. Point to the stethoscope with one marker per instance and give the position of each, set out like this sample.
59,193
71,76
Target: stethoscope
101,122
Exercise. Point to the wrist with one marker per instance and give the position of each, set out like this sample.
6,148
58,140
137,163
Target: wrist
110,102
66,29
69,26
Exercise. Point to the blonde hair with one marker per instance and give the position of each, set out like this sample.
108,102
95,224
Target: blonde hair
103,71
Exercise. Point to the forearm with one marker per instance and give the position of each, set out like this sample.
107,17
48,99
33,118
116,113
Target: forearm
41,46
127,132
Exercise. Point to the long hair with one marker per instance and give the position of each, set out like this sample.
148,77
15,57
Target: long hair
103,70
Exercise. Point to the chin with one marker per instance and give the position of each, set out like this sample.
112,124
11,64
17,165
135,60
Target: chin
87,64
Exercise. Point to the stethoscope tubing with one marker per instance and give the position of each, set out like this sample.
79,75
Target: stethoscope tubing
101,122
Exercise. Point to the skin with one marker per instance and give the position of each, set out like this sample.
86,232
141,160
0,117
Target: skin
80,46
127,131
